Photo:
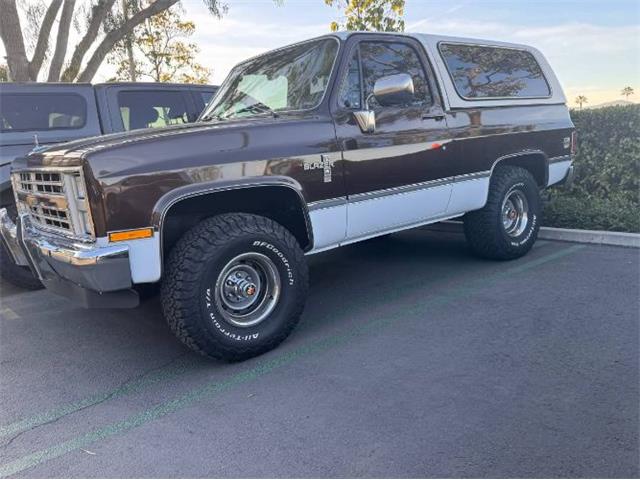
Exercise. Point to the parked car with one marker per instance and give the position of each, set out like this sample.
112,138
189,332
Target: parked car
37,114
304,149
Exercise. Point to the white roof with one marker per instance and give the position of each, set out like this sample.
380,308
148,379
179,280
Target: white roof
452,99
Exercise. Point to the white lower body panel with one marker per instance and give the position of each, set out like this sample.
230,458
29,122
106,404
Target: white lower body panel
144,258
366,216
558,171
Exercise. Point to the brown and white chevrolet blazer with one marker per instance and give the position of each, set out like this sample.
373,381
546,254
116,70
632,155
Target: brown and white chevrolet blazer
303,149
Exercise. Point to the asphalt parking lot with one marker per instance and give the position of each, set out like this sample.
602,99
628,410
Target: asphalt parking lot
413,359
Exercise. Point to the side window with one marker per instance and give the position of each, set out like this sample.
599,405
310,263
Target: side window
206,96
40,111
350,95
493,72
381,59
147,108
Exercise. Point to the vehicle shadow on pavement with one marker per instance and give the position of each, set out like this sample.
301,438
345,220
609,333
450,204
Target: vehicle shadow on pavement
360,275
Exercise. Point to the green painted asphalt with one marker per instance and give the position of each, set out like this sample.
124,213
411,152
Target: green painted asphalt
212,389
160,375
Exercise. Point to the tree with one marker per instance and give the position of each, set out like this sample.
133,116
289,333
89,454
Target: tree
4,73
580,99
490,72
369,15
626,92
104,28
160,52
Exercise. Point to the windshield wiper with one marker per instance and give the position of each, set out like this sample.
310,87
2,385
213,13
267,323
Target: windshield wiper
257,109
208,118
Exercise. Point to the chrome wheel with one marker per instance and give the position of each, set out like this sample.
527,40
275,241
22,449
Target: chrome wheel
247,289
515,212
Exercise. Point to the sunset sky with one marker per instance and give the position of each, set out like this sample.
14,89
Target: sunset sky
593,45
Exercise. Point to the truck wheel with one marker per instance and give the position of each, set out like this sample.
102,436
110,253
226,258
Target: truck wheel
507,226
234,286
15,274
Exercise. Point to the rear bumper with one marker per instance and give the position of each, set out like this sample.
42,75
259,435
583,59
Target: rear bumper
560,170
95,276
567,181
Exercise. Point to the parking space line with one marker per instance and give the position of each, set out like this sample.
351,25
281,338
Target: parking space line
157,375
9,314
266,366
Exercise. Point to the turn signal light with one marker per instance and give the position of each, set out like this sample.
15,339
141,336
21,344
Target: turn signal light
131,234
574,142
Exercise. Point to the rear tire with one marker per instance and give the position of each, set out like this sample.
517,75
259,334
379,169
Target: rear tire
234,286
16,274
507,226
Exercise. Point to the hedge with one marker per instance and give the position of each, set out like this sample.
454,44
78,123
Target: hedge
606,191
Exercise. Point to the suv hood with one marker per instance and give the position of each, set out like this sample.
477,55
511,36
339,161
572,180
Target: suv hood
170,149
72,153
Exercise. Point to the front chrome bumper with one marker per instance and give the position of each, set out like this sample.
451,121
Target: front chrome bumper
97,276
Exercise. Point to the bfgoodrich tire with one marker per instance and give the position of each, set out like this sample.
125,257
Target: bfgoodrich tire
16,274
234,286
507,226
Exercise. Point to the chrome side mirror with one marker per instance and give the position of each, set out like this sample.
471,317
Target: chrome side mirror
388,91
394,90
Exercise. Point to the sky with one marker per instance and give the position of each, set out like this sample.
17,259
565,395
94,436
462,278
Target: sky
593,46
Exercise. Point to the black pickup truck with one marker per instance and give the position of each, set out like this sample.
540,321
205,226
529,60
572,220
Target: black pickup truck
306,148
37,114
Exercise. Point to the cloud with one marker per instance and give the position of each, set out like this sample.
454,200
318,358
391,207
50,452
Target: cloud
578,52
224,43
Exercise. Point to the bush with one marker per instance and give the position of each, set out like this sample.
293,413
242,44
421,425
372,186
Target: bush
606,191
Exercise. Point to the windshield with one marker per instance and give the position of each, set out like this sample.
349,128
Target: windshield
293,78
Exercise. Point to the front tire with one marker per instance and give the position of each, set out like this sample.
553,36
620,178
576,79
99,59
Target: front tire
507,226
235,286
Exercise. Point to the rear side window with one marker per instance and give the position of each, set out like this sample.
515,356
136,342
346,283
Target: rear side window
41,111
493,72
152,108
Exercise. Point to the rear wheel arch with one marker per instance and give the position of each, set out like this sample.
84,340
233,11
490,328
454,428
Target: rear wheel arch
280,202
534,161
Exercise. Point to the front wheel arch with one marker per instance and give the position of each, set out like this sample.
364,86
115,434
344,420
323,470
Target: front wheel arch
279,203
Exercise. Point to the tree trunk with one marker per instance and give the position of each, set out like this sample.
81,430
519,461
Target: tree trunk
43,39
98,14
62,41
116,35
127,44
11,35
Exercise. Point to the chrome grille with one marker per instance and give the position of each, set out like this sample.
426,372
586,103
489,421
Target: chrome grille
51,217
55,201
41,182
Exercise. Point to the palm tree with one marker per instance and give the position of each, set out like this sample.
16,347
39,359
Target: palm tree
580,99
626,91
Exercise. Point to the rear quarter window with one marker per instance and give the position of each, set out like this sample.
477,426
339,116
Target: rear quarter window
21,112
483,72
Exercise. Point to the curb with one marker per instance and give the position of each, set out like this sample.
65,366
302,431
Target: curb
597,237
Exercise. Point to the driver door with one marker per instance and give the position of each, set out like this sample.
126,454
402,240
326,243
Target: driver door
394,174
